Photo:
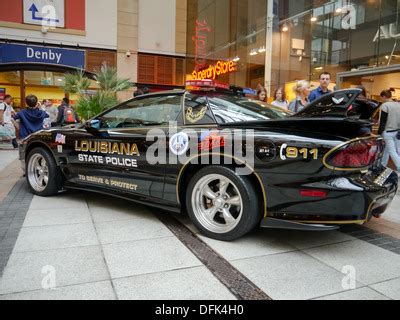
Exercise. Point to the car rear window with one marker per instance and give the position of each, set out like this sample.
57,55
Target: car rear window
229,109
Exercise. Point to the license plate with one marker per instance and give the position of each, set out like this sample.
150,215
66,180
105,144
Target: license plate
383,177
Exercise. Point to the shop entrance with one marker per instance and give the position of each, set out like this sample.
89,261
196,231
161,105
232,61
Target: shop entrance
375,80
45,82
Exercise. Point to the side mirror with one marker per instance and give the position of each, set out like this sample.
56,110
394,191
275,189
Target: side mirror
92,126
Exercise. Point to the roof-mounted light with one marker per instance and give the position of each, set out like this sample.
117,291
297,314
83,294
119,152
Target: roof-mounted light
206,85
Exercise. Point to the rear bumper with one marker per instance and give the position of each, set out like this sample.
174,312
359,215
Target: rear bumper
355,200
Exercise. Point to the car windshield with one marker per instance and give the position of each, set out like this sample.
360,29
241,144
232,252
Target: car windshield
230,109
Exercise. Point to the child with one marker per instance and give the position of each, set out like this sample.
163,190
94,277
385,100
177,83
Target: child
31,119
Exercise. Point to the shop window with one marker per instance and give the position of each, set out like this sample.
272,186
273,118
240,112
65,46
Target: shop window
146,69
95,59
164,70
44,78
161,70
13,77
10,84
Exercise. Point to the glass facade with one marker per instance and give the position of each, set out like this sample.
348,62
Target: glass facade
334,36
276,42
225,31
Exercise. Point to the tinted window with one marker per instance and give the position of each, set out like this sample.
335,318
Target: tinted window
229,109
155,111
197,110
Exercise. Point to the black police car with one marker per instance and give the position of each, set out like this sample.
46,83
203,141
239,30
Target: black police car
315,170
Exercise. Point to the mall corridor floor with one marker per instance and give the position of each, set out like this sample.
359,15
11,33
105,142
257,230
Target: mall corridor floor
84,246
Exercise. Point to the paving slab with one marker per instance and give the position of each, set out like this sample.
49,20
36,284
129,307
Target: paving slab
88,291
138,228
260,243
147,256
389,288
291,276
7,157
56,237
26,271
52,217
110,209
393,212
66,200
372,264
357,294
187,284
310,239
184,219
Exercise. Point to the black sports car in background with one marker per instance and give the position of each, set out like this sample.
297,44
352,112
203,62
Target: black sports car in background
315,170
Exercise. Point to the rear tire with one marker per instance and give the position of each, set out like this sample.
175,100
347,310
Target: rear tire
221,204
43,175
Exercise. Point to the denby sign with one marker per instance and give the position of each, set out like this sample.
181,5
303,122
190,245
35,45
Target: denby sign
220,68
11,53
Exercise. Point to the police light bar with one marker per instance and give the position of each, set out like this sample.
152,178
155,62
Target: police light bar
206,84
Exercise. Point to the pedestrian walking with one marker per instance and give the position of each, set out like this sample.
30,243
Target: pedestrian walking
390,128
31,119
325,81
262,94
7,127
138,93
280,99
302,91
66,114
50,109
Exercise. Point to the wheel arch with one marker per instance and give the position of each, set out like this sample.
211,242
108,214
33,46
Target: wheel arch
39,144
189,169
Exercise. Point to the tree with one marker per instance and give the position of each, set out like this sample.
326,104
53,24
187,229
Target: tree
76,83
91,104
107,79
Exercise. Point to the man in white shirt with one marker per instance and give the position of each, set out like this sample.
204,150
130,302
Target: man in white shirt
7,129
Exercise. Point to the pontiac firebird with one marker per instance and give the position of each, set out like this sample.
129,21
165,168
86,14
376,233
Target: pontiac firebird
315,170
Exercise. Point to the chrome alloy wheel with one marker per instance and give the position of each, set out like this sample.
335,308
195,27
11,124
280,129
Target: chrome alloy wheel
38,172
217,203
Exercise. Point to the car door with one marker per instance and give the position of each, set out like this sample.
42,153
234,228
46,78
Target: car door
121,145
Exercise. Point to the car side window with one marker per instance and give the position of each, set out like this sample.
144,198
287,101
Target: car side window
153,111
197,111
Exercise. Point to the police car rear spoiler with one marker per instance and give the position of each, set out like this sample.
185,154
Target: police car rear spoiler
345,104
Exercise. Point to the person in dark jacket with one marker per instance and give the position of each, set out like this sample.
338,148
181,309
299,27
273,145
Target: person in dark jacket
61,114
31,119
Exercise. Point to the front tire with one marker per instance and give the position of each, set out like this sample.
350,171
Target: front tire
43,175
221,204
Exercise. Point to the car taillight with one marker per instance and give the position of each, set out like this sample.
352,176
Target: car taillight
313,193
355,155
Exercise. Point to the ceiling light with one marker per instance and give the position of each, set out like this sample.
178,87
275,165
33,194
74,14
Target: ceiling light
261,50
253,52
339,10
313,19
236,59
285,28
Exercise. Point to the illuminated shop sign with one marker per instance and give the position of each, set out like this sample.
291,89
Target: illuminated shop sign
387,32
200,43
212,72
